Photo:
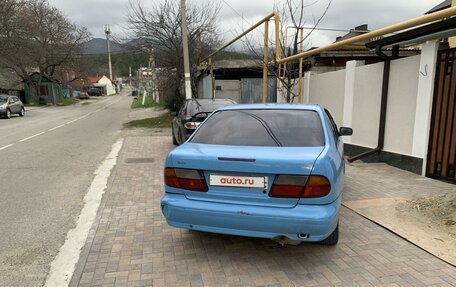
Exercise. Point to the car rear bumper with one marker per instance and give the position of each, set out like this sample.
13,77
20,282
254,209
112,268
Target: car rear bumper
302,223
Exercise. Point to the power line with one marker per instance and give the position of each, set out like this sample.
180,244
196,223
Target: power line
235,11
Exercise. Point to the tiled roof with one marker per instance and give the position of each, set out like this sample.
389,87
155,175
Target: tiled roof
93,80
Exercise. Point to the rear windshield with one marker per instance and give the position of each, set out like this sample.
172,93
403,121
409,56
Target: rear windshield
288,128
206,106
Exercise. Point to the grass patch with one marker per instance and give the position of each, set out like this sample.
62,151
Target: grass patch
149,103
68,102
163,121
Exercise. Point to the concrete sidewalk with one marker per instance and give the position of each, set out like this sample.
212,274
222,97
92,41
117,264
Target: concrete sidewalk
130,243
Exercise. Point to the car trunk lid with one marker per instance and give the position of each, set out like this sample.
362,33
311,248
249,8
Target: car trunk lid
244,175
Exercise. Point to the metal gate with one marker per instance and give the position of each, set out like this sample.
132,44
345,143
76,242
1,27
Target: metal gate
252,90
442,143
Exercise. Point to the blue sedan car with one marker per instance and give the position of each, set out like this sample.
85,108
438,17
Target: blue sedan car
264,170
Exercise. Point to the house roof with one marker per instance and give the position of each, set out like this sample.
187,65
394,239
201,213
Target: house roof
445,4
34,75
358,50
10,80
359,30
237,64
94,80
362,53
435,30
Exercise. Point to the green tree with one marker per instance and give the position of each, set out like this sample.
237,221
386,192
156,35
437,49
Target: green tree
158,33
37,36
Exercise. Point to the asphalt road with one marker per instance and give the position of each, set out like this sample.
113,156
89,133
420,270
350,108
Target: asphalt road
48,159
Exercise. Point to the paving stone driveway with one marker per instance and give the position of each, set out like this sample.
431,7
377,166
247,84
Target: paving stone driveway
131,244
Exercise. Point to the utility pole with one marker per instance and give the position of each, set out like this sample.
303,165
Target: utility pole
108,32
139,81
188,84
152,75
130,76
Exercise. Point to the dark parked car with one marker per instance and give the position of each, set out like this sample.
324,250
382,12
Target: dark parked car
11,105
192,113
83,95
94,92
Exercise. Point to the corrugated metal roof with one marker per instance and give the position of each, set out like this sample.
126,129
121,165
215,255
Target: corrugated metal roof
237,64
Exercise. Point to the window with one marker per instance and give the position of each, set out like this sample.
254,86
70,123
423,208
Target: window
288,128
334,129
207,106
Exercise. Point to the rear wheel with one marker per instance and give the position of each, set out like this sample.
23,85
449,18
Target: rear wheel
22,112
333,238
180,140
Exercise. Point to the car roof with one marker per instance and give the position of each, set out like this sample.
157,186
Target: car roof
274,106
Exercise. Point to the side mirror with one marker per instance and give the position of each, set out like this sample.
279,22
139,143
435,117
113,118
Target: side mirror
344,131
174,114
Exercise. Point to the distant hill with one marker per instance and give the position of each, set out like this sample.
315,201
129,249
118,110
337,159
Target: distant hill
99,46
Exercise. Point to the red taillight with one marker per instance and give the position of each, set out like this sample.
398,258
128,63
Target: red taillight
317,186
191,125
294,186
189,179
288,186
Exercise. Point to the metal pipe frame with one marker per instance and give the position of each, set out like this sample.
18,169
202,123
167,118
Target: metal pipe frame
446,13
274,14
265,20
449,12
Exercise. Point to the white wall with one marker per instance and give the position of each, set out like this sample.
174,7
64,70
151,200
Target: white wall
366,105
400,115
425,96
327,90
110,90
354,96
228,89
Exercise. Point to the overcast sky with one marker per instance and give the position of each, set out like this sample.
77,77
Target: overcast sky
342,14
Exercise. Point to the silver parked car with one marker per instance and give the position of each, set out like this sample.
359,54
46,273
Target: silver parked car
11,105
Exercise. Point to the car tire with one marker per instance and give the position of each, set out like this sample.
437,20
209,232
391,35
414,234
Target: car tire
333,238
22,112
8,114
174,138
181,138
